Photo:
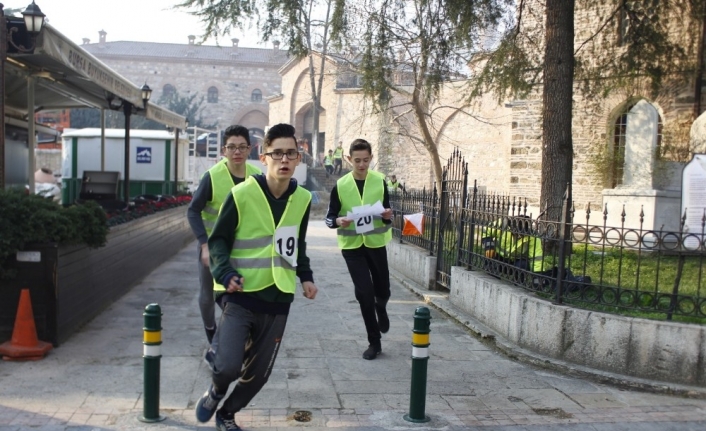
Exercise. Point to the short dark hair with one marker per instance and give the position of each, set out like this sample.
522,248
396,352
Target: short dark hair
360,145
236,130
280,130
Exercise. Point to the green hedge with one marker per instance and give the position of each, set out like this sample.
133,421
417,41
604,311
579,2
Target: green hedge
26,219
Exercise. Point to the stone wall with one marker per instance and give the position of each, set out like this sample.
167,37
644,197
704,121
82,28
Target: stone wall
611,348
234,80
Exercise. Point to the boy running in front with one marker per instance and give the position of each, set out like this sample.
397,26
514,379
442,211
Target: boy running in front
257,247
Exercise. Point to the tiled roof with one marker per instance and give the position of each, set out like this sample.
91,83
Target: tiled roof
184,51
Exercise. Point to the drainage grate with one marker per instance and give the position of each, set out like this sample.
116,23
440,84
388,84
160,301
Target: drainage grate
302,416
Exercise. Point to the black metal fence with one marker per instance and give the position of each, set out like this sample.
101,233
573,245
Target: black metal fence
650,272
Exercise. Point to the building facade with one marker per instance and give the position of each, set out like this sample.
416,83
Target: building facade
234,81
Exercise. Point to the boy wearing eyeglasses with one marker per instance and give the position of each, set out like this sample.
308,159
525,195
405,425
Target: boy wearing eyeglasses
363,240
257,247
203,209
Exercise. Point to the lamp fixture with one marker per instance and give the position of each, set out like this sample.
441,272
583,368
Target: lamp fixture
146,94
34,18
34,22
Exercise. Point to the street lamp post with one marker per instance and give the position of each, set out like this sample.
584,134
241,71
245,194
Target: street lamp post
34,21
146,93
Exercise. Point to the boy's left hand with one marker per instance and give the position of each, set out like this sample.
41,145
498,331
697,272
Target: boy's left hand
387,214
310,289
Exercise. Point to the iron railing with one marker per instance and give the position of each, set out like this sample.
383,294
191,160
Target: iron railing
631,267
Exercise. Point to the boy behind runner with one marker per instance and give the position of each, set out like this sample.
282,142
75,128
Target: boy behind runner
214,187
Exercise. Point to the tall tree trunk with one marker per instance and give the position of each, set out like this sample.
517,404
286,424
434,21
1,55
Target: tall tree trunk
557,154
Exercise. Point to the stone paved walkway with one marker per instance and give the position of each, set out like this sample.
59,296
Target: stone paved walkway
94,380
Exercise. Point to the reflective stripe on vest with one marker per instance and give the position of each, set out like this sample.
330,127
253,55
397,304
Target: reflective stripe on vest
253,254
221,183
349,196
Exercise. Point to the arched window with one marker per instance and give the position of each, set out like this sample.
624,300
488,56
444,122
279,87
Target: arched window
256,95
620,134
168,90
212,95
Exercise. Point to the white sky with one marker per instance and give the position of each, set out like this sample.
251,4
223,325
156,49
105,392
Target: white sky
127,20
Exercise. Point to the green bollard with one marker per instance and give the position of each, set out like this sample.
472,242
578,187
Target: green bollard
420,358
152,354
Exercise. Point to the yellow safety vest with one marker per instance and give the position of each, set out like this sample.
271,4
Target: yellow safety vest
221,183
328,160
259,253
392,187
338,153
349,196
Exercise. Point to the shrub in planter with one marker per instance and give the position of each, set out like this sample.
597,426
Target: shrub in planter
26,219
144,205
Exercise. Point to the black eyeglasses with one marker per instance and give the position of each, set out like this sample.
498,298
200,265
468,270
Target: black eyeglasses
241,148
277,155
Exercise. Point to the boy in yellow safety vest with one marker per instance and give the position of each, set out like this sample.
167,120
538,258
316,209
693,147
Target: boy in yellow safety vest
257,248
362,240
203,209
328,163
338,158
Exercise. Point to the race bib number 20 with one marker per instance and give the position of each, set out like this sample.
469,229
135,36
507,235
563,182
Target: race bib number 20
364,224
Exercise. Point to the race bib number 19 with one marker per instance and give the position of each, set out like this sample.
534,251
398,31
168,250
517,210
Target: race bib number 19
286,239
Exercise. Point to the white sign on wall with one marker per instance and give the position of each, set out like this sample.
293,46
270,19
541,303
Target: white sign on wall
693,200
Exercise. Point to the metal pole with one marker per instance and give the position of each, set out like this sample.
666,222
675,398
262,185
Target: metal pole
152,354
176,162
102,139
3,55
420,358
30,135
127,110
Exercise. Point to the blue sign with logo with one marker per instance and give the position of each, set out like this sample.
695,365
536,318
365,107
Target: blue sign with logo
144,154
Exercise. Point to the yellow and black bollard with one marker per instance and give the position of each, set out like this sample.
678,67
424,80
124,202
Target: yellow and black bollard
152,354
420,358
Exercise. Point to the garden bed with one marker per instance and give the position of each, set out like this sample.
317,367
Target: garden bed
73,284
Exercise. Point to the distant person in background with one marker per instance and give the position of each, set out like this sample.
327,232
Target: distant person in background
394,186
328,163
338,158
203,210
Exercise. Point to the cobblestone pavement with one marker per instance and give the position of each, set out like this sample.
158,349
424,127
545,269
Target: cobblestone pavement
94,380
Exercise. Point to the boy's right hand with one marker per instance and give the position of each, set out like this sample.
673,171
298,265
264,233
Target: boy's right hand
235,284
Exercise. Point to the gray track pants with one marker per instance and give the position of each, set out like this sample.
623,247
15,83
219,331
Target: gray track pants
245,346
206,302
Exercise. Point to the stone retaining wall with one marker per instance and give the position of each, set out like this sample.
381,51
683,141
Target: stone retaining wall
646,349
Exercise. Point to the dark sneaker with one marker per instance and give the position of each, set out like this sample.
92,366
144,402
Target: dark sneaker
372,352
210,332
226,421
208,358
383,319
207,405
